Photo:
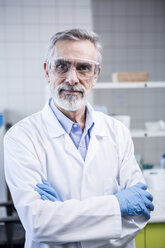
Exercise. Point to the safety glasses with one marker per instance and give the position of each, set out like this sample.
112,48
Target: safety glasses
84,68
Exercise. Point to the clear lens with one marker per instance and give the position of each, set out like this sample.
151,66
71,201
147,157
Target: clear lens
84,68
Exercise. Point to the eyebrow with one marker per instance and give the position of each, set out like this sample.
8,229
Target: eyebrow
62,60
70,59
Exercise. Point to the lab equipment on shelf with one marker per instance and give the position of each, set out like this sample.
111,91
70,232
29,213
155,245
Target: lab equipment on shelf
155,125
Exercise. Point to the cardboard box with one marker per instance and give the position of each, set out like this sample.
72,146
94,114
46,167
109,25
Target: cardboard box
130,77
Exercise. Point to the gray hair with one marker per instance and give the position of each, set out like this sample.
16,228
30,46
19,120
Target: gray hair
73,34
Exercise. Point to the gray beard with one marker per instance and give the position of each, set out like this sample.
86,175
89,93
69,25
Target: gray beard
67,101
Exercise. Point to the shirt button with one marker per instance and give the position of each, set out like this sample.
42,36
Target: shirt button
74,125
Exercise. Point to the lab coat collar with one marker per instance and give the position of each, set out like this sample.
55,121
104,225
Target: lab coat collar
53,126
55,129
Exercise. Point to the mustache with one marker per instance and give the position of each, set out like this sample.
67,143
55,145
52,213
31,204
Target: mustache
71,87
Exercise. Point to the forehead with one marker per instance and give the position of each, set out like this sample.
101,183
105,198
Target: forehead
83,49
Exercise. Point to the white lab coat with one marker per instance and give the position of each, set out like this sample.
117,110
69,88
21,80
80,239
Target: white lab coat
89,215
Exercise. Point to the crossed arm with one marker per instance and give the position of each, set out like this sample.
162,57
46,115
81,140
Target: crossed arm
135,200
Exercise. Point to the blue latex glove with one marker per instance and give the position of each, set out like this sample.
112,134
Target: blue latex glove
46,191
135,201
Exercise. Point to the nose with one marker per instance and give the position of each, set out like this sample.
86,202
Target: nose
72,76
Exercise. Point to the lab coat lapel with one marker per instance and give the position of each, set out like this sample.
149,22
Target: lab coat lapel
92,149
71,149
97,135
54,128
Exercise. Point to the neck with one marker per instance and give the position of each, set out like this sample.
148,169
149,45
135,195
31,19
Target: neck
77,116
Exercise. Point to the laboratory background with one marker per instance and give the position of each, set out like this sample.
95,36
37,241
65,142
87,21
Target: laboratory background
132,33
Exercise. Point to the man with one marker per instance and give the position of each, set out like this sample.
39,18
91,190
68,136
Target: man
71,170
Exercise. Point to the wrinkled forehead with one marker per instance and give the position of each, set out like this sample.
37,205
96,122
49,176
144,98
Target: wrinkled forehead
82,49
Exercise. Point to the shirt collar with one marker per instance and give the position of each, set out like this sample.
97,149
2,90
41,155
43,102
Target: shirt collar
66,123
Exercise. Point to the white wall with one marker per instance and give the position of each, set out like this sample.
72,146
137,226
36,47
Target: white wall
133,35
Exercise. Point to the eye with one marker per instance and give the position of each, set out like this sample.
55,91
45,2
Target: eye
62,65
84,67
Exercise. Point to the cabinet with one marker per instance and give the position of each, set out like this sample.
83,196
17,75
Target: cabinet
143,98
152,236
140,239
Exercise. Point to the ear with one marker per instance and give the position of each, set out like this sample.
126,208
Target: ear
46,73
95,79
